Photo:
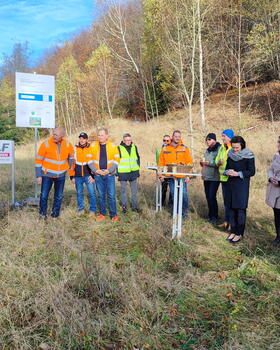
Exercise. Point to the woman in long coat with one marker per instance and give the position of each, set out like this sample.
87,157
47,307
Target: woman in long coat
273,191
240,167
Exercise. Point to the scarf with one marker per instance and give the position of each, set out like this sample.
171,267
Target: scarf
213,149
243,154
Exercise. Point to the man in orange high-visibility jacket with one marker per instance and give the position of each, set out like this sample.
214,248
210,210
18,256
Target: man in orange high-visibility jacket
104,164
55,157
176,153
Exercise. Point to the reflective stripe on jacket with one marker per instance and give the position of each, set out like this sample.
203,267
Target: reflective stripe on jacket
113,156
128,162
54,160
175,155
83,155
222,155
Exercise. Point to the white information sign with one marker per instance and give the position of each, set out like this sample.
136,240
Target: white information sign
35,100
6,152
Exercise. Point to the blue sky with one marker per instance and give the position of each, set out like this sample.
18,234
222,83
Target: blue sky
42,23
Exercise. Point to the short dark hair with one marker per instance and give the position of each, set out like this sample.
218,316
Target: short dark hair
238,139
169,136
176,132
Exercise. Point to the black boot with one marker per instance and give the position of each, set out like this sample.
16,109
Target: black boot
276,241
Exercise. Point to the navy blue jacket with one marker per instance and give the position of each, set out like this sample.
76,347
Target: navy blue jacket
238,188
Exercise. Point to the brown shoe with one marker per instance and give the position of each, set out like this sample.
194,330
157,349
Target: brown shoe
100,217
224,226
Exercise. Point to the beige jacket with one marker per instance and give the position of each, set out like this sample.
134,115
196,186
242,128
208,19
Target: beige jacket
273,191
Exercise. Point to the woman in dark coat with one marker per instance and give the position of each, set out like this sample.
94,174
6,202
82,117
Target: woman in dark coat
240,167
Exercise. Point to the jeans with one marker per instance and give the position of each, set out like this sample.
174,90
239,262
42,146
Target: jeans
133,189
79,183
106,188
185,195
237,221
211,188
46,186
225,195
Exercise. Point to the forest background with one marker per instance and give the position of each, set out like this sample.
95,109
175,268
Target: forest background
141,59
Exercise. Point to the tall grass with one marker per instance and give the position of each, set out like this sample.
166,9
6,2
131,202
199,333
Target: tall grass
76,284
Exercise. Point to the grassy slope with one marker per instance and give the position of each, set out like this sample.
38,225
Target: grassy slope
77,284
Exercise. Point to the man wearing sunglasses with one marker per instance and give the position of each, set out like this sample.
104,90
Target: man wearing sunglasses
166,141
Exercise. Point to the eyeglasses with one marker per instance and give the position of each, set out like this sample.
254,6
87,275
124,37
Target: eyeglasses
165,140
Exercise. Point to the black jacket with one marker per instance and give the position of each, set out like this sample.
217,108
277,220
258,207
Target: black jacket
238,188
133,174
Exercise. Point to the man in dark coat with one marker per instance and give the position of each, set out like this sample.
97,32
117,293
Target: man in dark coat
240,167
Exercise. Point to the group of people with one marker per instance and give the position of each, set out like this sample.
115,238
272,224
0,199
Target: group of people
96,165
91,165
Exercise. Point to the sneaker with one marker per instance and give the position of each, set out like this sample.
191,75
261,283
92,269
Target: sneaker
137,210
43,217
81,212
115,219
91,213
100,217
213,221
124,209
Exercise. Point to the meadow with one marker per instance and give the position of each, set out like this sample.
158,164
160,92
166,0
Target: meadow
75,284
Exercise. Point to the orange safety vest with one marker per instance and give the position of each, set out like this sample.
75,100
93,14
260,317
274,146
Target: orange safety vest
54,161
175,155
113,156
83,155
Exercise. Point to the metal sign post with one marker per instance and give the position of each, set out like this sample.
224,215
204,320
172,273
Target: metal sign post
177,200
7,156
35,145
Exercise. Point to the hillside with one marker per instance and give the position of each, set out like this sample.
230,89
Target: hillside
75,284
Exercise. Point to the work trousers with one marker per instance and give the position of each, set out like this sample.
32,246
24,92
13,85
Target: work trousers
277,222
211,188
225,191
237,220
134,193
46,186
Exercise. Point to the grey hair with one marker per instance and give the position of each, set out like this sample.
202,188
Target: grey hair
126,135
103,129
61,130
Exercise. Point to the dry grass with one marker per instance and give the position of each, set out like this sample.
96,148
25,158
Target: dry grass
75,284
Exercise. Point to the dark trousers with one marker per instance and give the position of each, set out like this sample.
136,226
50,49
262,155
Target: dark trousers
225,191
211,188
46,186
237,220
277,222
